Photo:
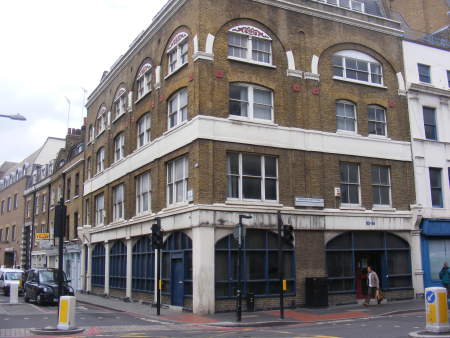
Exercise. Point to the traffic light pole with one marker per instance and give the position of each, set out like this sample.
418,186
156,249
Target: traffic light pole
158,287
157,243
239,290
280,264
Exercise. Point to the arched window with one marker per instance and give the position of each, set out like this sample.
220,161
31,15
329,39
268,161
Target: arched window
177,52
98,266
118,266
251,101
346,116
102,120
91,133
120,103
143,265
377,120
356,66
178,108
177,265
349,254
143,130
249,44
144,80
259,265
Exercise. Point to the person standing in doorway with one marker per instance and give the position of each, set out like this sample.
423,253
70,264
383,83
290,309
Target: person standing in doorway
373,284
444,276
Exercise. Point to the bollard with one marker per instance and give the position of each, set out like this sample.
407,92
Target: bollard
66,317
14,293
436,310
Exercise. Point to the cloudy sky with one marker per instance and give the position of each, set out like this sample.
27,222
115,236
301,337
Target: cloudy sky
52,49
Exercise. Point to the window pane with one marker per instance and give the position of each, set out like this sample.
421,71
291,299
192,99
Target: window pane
439,251
251,165
233,163
354,194
400,282
368,240
233,186
262,112
271,189
255,239
221,266
270,166
251,188
353,173
399,262
340,264
429,116
255,260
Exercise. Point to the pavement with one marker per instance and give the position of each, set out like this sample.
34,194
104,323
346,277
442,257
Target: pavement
259,318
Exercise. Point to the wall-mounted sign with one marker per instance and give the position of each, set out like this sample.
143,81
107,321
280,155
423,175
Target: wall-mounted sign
370,223
42,235
309,202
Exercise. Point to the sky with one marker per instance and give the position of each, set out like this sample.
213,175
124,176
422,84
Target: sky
53,52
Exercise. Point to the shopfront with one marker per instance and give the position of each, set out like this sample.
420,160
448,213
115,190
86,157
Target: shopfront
435,242
349,255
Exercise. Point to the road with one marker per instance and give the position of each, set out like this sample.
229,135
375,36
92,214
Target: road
16,320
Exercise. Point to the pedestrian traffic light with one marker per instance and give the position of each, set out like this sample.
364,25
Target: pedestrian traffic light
157,236
60,220
288,234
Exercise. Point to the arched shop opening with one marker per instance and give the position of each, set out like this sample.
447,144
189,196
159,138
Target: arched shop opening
143,278
118,266
349,254
177,268
98,266
259,267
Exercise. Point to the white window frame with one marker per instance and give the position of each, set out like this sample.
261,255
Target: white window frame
102,121
251,33
99,202
376,107
91,133
347,103
251,102
87,209
144,81
89,167
120,103
181,116
118,195
352,205
181,182
141,192
119,147
44,203
263,178
100,160
383,185
36,205
143,127
177,53
359,57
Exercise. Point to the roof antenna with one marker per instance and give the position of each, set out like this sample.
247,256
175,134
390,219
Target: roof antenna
68,111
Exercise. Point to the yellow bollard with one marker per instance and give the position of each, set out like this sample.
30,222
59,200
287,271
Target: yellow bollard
437,310
66,317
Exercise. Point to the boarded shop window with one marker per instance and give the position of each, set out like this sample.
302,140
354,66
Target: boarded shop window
118,266
98,266
143,265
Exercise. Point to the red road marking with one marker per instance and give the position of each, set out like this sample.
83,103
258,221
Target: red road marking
309,317
189,318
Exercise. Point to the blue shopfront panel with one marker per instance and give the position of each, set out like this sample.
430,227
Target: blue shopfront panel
435,249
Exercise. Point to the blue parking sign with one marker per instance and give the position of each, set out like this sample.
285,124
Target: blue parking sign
431,297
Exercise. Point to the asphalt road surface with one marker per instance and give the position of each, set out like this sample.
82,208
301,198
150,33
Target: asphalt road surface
15,320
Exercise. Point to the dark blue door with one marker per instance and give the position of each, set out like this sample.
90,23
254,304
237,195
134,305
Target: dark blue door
177,282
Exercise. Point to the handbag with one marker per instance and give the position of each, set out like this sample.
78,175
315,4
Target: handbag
378,295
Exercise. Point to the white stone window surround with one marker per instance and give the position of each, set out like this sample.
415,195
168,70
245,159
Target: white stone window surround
118,195
119,147
247,132
143,130
143,194
361,57
177,108
177,53
251,35
349,183
377,108
251,102
241,176
177,181
99,202
144,81
389,186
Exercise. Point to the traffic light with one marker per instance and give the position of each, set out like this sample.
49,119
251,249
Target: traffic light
60,220
157,236
288,234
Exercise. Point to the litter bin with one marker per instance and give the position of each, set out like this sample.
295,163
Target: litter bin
250,302
316,292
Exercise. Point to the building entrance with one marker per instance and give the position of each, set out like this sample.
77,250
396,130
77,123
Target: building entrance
362,261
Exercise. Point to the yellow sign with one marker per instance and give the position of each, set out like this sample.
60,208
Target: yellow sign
284,285
42,235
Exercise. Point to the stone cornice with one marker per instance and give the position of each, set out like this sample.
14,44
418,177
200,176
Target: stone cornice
295,7
159,20
429,90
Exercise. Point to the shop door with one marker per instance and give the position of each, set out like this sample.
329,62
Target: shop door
362,261
177,287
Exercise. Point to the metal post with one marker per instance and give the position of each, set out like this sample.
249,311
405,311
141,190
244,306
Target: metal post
239,290
61,252
158,291
280,264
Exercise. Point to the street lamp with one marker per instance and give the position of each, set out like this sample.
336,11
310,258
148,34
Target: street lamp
14,117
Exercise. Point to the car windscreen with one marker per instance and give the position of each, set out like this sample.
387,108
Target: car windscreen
13,276
49,276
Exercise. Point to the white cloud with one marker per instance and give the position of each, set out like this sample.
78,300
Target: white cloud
52,50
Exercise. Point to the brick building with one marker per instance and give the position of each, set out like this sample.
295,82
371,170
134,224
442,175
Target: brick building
252,107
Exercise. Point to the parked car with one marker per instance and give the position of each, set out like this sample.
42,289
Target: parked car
8,276
41,286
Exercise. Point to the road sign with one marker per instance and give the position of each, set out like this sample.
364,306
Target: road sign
431,297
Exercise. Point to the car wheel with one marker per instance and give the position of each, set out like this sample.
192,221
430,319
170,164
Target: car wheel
39,300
